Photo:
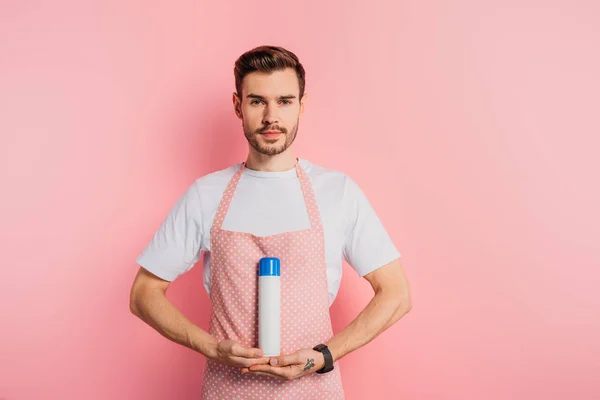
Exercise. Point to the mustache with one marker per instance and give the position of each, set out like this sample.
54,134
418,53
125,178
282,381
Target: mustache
272,128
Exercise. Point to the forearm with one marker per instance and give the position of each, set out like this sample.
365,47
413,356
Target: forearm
154,308
384,309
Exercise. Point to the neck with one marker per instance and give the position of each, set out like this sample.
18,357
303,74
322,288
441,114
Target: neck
277,163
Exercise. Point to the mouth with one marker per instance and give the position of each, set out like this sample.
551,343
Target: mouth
271,134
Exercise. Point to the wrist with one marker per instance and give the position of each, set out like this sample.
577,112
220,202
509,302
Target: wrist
336,351
319,360
208,348
328,363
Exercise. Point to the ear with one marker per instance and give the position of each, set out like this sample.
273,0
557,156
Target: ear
237,105
302,103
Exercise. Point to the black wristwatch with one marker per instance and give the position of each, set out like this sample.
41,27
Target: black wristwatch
328,358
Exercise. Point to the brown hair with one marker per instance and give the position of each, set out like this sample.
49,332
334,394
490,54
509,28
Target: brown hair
267,59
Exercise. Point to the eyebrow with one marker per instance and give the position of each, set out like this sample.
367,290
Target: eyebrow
256,96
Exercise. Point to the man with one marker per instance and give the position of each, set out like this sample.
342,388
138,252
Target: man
272,205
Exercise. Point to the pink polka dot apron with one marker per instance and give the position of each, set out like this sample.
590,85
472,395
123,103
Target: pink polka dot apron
305,320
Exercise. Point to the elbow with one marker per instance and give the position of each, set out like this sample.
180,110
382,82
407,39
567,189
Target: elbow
141,300
134,302
405,300
406,304
403,307
133,308
399,303
143,292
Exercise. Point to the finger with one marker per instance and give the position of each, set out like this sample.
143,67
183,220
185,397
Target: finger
282,361
267,374
284,372
248,362
241,351
257,361
259,367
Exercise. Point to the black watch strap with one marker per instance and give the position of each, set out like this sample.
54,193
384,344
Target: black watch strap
327,356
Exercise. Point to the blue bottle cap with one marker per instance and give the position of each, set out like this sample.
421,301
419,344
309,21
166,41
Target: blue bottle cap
269,266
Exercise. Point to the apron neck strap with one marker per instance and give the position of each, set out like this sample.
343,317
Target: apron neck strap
307,191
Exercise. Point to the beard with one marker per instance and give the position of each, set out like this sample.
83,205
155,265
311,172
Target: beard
268,146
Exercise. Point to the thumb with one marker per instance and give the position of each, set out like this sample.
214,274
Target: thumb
283,361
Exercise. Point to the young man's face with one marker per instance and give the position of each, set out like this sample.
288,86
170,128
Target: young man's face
270,110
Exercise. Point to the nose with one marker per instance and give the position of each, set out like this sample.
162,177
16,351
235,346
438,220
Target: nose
270,116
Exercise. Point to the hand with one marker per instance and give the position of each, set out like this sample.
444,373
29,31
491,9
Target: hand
287,367
229,352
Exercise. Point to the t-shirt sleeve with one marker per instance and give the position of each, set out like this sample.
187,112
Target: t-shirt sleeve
367,245
176,245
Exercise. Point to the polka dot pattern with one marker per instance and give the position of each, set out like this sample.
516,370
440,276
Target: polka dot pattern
305,320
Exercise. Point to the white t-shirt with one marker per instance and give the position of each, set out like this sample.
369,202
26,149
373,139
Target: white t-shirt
269,203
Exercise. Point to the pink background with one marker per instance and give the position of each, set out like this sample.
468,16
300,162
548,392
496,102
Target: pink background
472,126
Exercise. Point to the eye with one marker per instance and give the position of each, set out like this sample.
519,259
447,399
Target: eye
286,102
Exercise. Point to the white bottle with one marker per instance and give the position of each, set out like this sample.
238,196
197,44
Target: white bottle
269,306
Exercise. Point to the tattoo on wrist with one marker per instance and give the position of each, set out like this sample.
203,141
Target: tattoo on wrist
309,364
